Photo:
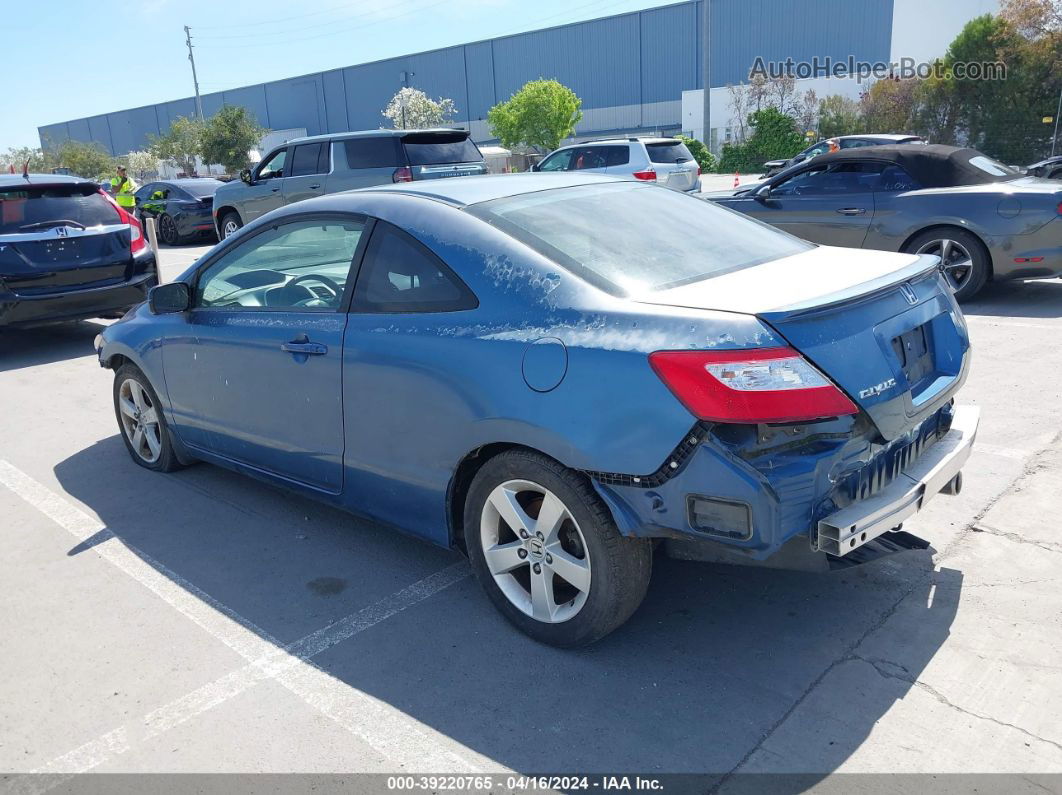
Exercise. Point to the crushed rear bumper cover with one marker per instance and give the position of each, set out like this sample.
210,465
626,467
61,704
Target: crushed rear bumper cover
936,470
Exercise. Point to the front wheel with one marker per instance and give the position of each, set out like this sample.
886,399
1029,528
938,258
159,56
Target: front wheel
230,224
140,419
547,552
168,230
963,258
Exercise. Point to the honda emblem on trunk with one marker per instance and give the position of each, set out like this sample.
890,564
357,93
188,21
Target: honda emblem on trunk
909,293
60,231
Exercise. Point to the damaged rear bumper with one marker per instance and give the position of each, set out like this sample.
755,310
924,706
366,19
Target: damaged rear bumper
936,470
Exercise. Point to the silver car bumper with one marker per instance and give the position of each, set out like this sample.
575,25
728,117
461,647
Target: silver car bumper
936,470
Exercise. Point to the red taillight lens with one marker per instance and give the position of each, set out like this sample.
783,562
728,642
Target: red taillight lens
698,171
137,240
750,386
402,175
1059,208
648,176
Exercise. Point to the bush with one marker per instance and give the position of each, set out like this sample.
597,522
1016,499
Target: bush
705,159
774,137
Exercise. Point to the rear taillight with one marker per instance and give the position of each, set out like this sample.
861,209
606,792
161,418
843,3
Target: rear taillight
698,171
402,175
1058,209
750,386
137,241
648,176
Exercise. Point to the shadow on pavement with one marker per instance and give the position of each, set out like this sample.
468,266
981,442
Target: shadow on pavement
1033,299
46,344
715,658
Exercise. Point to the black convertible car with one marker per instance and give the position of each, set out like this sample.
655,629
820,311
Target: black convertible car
984,220
68,252
182,207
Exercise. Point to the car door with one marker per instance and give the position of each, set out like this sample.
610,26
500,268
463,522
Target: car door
398,359
151,200
266,191
306,178
829,204
257,377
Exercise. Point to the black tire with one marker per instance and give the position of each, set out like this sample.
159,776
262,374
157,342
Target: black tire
619,567
965,283
166,460
168,233
229,221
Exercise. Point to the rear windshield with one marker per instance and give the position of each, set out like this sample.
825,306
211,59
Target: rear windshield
201,188
669,152
628,238
26,209
435,149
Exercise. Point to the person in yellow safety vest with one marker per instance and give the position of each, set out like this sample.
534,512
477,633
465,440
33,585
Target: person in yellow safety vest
122,189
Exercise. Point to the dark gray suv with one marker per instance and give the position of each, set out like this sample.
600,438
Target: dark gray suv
307,167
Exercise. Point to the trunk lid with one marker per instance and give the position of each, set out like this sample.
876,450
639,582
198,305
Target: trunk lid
884,327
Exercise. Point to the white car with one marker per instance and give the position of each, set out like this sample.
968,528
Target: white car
666,161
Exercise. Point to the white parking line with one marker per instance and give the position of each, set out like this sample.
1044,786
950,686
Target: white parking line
986,320
382,727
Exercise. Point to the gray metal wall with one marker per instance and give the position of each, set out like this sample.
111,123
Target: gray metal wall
629,70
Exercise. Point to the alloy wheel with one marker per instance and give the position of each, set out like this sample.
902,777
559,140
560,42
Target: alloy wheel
140,420
955,259
535,551
230,228
168,230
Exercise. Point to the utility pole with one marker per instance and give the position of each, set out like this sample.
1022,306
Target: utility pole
706,70
195,80
1054,138
405,84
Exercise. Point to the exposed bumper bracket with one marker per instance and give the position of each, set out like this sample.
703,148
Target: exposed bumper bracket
936,471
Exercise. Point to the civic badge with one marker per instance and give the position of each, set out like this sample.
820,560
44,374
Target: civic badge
908,293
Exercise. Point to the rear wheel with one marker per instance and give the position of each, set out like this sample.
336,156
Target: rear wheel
230,224
139,413
168,230
547,552
963,258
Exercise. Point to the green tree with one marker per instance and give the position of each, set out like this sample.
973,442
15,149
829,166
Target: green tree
86,159
890,105
140,164
180,145
538,116
839,115
39,160
228,136
412,109
705,159
774,136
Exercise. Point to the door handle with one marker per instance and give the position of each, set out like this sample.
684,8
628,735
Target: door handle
311,348
315,186
274,189
852,211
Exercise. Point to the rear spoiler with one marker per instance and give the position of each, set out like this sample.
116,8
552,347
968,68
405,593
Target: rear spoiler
922,267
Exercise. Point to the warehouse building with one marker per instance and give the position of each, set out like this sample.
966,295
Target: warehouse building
634,72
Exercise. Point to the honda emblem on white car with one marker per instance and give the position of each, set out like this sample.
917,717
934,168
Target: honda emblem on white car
909,293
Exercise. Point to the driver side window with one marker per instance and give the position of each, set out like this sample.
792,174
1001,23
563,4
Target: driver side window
557,162
299,266
274,167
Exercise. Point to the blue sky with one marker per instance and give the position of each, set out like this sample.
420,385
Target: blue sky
68,59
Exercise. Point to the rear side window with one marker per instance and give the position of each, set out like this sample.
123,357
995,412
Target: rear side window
33,208
398,274
305,160
379,151
435,149
617,155
669,152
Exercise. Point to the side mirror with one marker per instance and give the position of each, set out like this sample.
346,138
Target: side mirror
169,298
763,194
245,176
534,167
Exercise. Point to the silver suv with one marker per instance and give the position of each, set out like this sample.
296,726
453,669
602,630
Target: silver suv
307,167
665,161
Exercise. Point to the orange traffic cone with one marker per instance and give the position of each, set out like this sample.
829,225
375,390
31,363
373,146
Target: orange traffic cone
737,181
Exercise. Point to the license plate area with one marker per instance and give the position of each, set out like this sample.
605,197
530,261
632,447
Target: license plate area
914,351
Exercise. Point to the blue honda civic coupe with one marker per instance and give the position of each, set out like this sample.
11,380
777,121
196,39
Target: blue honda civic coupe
561,376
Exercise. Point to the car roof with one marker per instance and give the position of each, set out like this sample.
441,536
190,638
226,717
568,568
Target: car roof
626,140
189,181
17,180
879,137
464,191
372,134
933,165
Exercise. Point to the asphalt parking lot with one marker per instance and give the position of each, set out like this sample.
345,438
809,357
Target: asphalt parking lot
202,621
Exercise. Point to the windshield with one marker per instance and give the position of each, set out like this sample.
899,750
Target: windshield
434,149
628,238
201,188
29,206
